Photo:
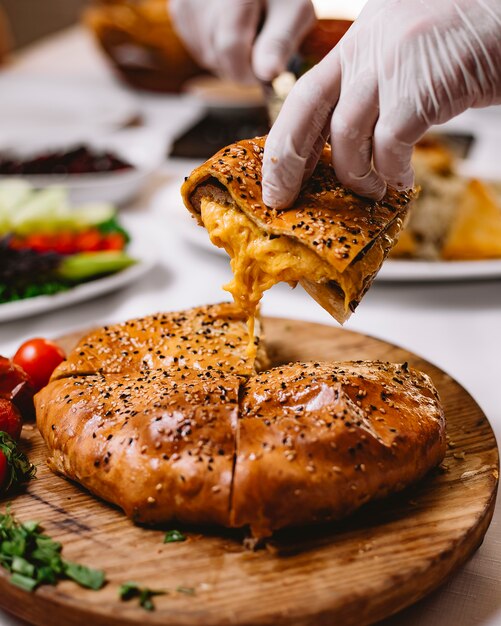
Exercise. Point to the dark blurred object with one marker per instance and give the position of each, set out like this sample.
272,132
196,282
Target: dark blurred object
5,36
215,131
321,39
78,160
140,41
31,20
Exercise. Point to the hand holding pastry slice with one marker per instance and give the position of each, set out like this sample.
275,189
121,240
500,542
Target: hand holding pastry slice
330,241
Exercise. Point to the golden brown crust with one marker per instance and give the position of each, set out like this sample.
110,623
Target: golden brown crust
212,442
213,335
158,446
326,217
317,440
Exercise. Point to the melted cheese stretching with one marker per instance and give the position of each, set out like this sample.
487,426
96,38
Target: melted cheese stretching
259,261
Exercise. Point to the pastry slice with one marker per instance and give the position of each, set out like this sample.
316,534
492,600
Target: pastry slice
318,440
475,233
331,241
160,445
144,413
194,339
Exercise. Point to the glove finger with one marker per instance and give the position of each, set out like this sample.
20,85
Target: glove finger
394,138
296,132
316,151
286,24
233,39
352,128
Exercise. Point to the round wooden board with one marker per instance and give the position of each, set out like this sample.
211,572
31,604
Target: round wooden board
383,558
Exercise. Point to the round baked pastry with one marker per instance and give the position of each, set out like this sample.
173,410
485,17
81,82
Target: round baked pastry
166,417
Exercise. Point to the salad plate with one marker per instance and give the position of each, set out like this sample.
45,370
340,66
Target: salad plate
53,255
12,311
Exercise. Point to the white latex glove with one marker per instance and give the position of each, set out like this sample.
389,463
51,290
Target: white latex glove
222,35
403,66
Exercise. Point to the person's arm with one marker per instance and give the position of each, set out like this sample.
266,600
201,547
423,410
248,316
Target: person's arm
403,66
222,35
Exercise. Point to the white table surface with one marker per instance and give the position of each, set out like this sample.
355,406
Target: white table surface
457,326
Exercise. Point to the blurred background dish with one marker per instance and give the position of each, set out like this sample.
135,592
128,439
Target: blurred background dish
53,254
134,153
455,217
139,40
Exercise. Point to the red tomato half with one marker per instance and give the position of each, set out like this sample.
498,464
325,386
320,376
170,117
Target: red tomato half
39,358
10,419
4,468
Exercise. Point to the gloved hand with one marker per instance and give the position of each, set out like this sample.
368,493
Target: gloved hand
403,66
222,35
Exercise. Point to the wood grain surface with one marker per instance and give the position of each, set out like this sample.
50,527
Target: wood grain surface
385,557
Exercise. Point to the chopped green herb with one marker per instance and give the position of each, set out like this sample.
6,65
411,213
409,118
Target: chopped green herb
24,582
131,590
20,470
172,536
84,576
112,226
35,559
189,591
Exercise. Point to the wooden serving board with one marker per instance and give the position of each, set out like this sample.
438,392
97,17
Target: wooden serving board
383,558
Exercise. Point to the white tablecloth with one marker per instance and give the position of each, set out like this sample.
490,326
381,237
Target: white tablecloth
457,325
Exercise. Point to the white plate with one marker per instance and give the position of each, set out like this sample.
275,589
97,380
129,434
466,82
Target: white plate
435,271
141,249
144,149
50,102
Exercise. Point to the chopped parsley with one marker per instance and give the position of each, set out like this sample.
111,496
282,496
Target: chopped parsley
173,536
34,558
131,590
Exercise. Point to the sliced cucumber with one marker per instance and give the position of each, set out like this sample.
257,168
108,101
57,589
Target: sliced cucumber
24,211
86,265
93,214
12,194
45,211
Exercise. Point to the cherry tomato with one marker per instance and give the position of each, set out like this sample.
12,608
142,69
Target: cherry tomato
10,419
113,241
15,385
4,468
88,241
39,358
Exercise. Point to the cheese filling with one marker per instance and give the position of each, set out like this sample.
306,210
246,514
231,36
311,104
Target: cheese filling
259,261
